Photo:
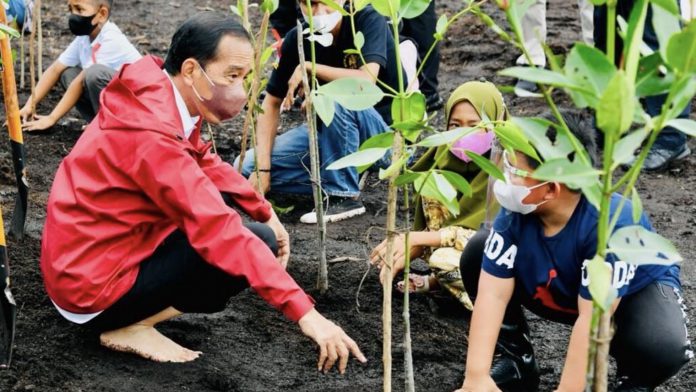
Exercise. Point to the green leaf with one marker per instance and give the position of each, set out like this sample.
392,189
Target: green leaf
9,30
651,80
352,93
410,130
393,169
381,140
679,96
627,145
413,8
600,274
617,105
593,194
638,246
324,106
488,21
665,24
670,6
359,40
266,55
408,108
634,38
573,174
407,178
446,137
388,8
364,157
271,6
335,6
515,12
360,4
511,137
684,125
588,67
540,76
535,130
637,205
436,187
486,165
458,181
681,50
441,27
281,210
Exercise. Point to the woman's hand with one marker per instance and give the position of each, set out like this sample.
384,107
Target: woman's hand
378,256
39,124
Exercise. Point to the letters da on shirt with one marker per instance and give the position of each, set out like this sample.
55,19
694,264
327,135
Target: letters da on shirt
494,250
622,273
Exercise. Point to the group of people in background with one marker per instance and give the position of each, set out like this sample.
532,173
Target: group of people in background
143,223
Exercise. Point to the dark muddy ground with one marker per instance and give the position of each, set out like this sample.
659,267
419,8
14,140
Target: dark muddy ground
250,346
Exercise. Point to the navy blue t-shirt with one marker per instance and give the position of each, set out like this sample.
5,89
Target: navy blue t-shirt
550,271
378,48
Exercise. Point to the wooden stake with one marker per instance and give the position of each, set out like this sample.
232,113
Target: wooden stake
323,273
39,31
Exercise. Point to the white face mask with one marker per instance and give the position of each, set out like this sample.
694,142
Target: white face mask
323,24
510,196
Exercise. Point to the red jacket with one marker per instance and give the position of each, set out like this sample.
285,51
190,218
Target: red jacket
129,182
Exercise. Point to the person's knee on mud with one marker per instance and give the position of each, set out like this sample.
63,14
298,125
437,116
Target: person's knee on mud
153,236
536,254
282,90
89,21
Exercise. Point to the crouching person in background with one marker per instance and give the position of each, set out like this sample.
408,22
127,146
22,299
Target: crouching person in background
138,229
535,256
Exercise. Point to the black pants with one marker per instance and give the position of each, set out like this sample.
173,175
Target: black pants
650,343
176,276
421,30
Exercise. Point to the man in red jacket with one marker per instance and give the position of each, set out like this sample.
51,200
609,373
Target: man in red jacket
138,229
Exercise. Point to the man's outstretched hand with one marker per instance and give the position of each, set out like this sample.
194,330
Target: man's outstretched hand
334,344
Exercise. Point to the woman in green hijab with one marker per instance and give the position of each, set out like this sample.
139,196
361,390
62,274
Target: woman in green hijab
437,236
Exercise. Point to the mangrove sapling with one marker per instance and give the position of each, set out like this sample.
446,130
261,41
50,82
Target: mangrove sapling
408,113
592,80
315,167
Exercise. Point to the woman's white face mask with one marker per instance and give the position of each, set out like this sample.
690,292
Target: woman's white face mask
510,196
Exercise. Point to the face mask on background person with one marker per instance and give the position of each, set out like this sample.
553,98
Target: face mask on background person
81,25
227,101
323,25
510,196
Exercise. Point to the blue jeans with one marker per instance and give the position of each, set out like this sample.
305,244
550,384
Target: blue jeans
290,165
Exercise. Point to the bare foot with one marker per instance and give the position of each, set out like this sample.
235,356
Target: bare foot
147,342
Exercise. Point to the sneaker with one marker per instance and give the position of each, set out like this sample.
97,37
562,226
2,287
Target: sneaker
660,159
433,102
525,88
340,208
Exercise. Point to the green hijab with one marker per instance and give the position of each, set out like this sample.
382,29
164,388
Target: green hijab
485,98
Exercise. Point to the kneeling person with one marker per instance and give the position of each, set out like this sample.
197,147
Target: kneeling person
85,67
284,160
149,235
535,256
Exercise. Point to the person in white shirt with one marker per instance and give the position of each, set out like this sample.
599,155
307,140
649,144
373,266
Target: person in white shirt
85,67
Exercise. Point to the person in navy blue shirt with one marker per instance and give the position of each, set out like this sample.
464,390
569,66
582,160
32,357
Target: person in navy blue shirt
535,256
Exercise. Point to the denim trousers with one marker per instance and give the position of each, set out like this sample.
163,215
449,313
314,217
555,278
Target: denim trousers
290,164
